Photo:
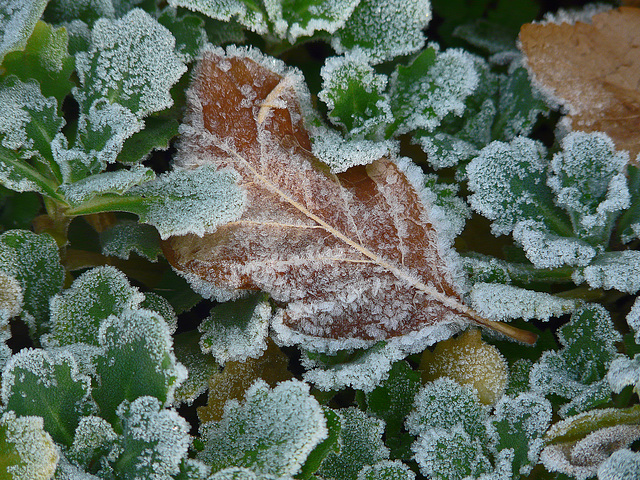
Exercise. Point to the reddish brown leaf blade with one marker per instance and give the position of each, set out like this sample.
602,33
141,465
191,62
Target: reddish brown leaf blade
594,70
349,256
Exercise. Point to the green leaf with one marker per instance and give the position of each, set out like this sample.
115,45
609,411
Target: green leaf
577,371
94,438
191,469
518,107
112,183
137,360
188,30
384,30
237,330
360,445
271,433
17,210
519,423
27,128
17,20
157,135
629,222
26,449
201,367
126,237
78,312
588,179
248,13
154,441
624,371
450,454
386,470
443,404
432,86
140,56
612,270
45,58
177,291
329,444
50,386
392,401
355,96
33,260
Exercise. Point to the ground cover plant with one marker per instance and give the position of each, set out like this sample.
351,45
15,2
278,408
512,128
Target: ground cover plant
313,239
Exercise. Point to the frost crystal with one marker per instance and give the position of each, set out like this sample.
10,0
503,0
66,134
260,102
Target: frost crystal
11,297
623,464
421,99
588,180
17,20
117,182
360,444
26,439
237,330
132,58
502,302
612,270
225,10
384,30
504,178
155,441
340,154
387,470
190,201
624,371
271,433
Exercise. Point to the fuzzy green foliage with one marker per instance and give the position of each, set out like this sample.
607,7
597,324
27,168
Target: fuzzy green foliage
105,351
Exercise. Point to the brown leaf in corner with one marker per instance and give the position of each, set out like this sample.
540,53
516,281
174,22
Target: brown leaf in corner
594,69
348,256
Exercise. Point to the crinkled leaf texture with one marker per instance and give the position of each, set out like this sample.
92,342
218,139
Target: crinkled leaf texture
353,257
271,433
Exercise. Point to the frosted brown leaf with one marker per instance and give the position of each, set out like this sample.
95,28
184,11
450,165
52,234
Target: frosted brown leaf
594,70
347,256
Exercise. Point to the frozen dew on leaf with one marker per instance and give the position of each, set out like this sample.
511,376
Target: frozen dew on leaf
623,464
17,20
272,432
353,257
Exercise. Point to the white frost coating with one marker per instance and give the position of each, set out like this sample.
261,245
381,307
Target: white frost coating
624,371
505,302
36,451
384,30
388,470
495,175
531,414
148,328
90,434
442,90
134,56
337,75
10,297
229,341
546,250
456,150
364,374
95,295
165,433
240,473
340,154
583,458
224,10
285,422
290,24
43,364
633,318
191,201
573,15
444,453
118,182
17,20
623,464
615,270
588,178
